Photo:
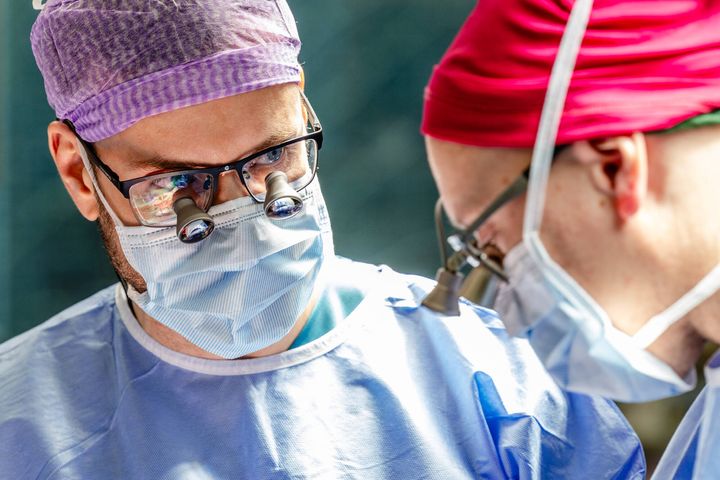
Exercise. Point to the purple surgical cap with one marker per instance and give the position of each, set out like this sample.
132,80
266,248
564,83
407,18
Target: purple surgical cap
110,63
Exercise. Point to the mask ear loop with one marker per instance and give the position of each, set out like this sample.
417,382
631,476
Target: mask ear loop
550,118
543,153
96,185
659,324
108,208
558,85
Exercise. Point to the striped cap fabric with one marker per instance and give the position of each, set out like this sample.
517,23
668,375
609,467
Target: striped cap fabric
107,64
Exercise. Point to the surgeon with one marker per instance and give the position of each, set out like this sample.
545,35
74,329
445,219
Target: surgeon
575,147
236,345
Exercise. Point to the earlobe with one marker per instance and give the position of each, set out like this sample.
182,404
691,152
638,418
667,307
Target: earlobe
64,151
632,176
618,167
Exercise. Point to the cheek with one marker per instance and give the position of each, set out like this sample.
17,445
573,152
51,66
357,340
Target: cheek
115,253
576,230
564,227
504,229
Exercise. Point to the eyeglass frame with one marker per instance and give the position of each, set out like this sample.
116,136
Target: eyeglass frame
124,186
464,243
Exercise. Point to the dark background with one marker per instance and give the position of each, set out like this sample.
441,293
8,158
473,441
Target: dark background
366,64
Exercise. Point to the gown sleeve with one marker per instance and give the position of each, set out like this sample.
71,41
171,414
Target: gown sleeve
573,436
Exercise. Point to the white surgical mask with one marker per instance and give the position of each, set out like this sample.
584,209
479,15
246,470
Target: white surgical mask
240,290
571,334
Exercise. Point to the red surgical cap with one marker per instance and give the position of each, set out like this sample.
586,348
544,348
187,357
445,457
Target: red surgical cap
643,66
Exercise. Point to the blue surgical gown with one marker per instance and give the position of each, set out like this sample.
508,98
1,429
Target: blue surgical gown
694,450
393,391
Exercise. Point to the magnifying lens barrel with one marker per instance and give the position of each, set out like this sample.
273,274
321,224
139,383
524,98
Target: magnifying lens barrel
193,224
476,285
281,200
444,298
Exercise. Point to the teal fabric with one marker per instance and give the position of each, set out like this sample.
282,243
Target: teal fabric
703,120
336,302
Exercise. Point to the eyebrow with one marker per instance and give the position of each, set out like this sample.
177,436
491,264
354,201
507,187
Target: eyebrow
161,162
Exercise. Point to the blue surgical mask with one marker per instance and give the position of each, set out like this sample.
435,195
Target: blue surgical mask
243,288
576,341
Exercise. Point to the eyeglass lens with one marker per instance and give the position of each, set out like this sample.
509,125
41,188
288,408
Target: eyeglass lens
153,199
296,160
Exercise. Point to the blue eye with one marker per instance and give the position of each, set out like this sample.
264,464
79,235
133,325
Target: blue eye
181,181
273,155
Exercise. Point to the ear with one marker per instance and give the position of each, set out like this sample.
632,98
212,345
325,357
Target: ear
618,167
302,87
64,150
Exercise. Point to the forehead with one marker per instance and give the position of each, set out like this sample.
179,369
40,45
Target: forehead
469,178
213,132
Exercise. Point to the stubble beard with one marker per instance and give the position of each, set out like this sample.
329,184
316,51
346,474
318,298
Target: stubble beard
122,267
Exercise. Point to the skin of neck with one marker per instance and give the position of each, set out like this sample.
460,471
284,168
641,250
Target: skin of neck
690,160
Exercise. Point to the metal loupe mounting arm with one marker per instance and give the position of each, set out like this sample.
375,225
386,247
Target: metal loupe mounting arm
451,283
444,298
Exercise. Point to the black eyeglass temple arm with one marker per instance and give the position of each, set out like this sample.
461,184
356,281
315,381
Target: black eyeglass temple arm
514,190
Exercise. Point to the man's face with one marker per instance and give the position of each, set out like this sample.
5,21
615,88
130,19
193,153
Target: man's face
210,134
580,227
467,188
623,263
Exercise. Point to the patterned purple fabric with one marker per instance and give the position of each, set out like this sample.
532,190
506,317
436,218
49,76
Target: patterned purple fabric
109,63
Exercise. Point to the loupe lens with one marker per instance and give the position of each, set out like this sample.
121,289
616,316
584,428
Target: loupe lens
284,207
195,231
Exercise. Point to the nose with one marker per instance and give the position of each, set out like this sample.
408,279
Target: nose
229,187
485,233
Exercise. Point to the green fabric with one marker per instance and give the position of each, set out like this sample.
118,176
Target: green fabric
703,120
335,303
